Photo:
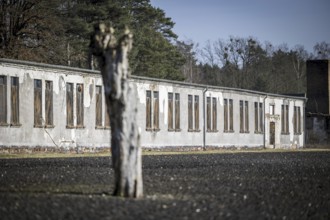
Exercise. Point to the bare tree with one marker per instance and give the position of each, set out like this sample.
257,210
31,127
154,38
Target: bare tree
322,50
121,102
299,57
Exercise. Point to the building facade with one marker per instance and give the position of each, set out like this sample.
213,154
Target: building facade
318,104
56,107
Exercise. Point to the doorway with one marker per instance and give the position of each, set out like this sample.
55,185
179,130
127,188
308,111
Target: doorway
272,133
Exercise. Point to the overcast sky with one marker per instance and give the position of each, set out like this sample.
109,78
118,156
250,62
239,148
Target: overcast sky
294,22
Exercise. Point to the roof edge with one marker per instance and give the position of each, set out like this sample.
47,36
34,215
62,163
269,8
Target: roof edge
134,77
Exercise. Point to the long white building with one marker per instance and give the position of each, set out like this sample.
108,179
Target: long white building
55,107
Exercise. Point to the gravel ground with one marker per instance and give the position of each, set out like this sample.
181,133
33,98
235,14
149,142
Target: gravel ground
257,185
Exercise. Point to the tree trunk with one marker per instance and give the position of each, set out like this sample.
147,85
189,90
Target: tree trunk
121,102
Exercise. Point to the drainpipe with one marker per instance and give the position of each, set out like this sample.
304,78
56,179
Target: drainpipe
265,121
304,121
204,116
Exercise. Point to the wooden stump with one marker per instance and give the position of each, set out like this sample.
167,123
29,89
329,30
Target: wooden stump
121,98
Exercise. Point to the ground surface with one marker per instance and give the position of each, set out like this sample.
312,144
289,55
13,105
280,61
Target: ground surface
280,185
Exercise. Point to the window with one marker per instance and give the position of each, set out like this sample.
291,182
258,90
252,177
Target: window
258,117
14,101
69,105
208,113
156,110
231,115
196,108
98,106
177,112
297,120
148,109
80,105
285,119
49,104
152,110
193,113
190,113
211,114
246,110
3,100
244,116
37,103
170,111
214,114
228,115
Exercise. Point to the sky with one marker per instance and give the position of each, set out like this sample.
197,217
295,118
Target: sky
294,22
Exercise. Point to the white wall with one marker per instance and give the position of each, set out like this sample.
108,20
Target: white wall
27,135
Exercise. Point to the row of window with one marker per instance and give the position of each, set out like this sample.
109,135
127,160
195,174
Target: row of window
79,110
152,114
152,110
48,105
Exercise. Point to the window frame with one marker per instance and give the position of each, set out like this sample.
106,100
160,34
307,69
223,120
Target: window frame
3,100
98,107
37,104
69,105
285,119
196,112
177,125
170,111
49,105
258,118
190,113
14,106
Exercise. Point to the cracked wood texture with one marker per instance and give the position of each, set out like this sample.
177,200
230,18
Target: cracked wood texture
121,98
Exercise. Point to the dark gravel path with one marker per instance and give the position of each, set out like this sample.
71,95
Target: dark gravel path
281,185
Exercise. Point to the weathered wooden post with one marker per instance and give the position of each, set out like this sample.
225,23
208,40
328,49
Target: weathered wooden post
121,98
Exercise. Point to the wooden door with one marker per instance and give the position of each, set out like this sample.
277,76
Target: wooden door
272,133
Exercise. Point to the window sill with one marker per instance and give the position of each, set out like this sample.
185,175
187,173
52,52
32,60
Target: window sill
193,130
4,124
212,131
174,130
15,125
298,133
258,132
229,131
244,132
49,126
102,127
38,126
285,133
75,127
153,129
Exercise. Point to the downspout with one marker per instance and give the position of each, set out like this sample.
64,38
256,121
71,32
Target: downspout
304,121
204,116
265,121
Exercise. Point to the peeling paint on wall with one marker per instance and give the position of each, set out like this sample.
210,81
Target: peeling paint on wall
89,88
141,90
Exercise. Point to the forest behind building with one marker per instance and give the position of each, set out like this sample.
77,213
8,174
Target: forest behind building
58,32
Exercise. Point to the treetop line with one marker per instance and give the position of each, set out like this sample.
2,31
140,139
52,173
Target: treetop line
60,34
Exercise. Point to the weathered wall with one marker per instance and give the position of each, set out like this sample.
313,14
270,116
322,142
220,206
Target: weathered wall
62,137
58,136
